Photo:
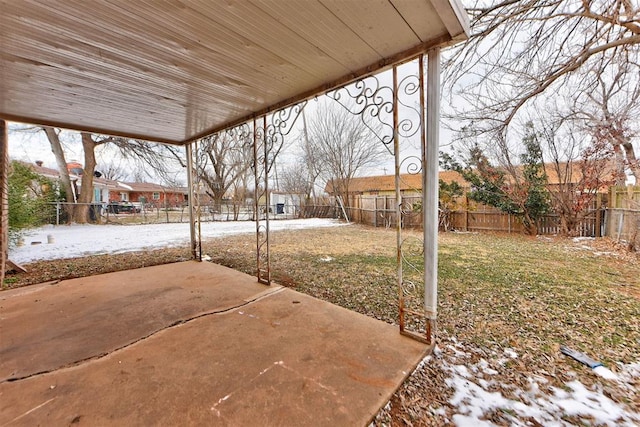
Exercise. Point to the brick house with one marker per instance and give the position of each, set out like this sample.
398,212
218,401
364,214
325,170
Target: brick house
149,193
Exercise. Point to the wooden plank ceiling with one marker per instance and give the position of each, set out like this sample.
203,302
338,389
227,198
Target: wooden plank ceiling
174,70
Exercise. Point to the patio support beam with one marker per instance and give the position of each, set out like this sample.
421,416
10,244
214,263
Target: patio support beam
4,198
430,191
192,207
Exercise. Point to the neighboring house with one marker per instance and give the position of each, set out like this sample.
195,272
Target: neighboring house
106,190
39,168
385,185
149,193
284,203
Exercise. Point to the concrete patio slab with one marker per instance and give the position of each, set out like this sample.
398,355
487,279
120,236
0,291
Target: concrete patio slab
238,354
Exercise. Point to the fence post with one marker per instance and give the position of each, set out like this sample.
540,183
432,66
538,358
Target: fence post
598,230
466,212
620,224
375,211
613,199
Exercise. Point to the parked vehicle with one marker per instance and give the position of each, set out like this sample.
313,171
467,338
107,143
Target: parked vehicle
122,207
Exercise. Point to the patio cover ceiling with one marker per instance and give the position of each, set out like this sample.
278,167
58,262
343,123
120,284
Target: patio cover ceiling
173,71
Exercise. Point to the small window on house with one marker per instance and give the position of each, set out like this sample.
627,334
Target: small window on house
156,196
124,197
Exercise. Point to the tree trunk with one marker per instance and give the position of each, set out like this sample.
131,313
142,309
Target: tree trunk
620,175
65,180
634,166
81,211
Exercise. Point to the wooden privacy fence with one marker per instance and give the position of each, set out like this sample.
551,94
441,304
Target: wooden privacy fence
379,211
623,224
628,197
592,225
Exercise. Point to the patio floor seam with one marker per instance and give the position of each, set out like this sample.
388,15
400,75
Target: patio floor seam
260,296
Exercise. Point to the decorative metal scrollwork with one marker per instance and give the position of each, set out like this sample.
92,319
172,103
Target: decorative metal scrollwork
269,133
400,109
371,101
409,126
408,115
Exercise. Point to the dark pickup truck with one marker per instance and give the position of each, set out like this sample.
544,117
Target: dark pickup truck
122,207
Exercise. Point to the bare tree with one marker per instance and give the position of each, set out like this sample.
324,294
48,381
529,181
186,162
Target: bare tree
610,111
114,170
342,145
225,158
153,161
521,51
148,155
310,159
295,180
78,204
580,165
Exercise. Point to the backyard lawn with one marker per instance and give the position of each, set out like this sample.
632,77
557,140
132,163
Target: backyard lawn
507,304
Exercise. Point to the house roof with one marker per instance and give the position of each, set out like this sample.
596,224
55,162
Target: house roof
408,182
141,187
42,170
148,187
569,173
176,71
572,172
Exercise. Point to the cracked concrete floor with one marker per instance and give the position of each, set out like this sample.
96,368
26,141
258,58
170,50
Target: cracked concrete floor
191,344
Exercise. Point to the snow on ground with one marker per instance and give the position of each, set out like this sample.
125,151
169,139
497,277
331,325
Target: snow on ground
73,241
477,392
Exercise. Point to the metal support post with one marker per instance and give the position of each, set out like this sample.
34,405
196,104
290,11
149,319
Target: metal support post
430,191
196,250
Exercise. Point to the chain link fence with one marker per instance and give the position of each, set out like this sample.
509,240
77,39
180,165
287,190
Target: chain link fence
137,213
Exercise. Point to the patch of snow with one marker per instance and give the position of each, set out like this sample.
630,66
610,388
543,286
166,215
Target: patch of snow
461,370
78,240
510,353
326,259
483,366
581,239
605,373
474,398
583,402
457,352
604,254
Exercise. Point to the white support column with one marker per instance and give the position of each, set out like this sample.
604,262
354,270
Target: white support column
192,223
430,188
4,198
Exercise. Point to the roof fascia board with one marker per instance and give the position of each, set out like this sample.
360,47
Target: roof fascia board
93,130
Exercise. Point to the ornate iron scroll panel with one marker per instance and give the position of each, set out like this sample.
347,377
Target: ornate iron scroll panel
269,133
261,200
399,108
195,188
